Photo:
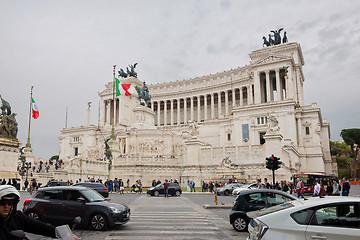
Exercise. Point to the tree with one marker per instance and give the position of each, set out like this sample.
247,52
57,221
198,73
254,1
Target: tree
352,138
55,157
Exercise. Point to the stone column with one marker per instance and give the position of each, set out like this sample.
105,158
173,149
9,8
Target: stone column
219,103
241,96
251,94
172,112
102,112
205,107
268,96
178,111
152,105
198,108
108,112
257,87
300,132
192,108
165,112
233,98
248,88
212,106
158,113
185,110
226,103
278,85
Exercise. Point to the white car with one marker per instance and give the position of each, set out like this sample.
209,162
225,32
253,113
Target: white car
246,186
331,218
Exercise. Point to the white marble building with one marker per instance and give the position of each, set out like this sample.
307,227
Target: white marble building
213,127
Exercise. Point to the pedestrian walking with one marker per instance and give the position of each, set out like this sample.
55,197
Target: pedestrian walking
166,189
322,190
345,187
316,188
299,188
121,186
335,186
188,186
128,185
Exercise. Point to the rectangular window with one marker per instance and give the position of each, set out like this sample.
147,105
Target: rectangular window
307,130
262,120
76,153
229,137
262,140
258,120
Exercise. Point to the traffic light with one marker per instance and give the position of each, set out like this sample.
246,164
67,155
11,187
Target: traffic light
273,163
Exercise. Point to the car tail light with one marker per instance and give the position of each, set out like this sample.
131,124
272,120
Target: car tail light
179,187
26,202
105,189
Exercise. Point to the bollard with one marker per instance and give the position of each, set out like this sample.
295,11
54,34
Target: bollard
215,198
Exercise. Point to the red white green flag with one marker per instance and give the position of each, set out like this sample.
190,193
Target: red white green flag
35,110
121,88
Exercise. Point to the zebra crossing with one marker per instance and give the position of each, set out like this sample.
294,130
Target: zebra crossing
173,218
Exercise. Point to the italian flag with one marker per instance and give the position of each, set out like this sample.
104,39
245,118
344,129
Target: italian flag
35,110
121,88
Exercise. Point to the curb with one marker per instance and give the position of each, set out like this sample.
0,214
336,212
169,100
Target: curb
216,207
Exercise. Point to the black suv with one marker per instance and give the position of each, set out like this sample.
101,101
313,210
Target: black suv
174,190
252,200
61,205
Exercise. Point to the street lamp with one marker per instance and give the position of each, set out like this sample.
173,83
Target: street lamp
27,166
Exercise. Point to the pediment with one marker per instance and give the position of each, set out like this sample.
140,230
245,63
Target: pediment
271,59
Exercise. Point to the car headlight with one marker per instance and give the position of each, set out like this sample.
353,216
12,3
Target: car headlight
259,229
115,210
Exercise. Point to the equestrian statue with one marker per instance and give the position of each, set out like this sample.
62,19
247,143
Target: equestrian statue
143,93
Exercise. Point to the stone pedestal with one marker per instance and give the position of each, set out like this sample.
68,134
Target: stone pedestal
29,155
273,144
9,158
192,167
144,118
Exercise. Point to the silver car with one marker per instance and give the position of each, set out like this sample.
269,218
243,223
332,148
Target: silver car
244,187
331,218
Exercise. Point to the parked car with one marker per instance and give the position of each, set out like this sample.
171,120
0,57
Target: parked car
99,187
244,187
61,205
174,190
330,218
55,183
227,189
254,199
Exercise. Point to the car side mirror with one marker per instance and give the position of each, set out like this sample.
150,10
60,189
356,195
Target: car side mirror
81,199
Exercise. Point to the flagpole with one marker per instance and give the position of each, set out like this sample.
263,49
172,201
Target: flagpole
113,113
28,145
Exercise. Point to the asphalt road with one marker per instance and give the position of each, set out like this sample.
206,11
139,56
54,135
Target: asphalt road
188,207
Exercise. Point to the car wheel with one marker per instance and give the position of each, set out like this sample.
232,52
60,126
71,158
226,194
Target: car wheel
240,224
98,222
156,193
177,193
226,193
34,215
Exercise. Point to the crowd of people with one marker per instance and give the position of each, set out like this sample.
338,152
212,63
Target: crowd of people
325,188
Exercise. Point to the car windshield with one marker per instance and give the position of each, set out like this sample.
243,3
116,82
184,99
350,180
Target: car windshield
92,196
273,209
246,185
159,185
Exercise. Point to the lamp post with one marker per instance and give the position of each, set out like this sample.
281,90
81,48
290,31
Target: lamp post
27,166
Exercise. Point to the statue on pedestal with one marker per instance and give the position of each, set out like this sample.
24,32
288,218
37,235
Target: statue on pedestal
8,124
143,93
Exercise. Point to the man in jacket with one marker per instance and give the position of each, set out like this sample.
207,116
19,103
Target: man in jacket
299,188
11,219
345,187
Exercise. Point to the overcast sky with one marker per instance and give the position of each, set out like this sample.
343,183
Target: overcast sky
67,49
